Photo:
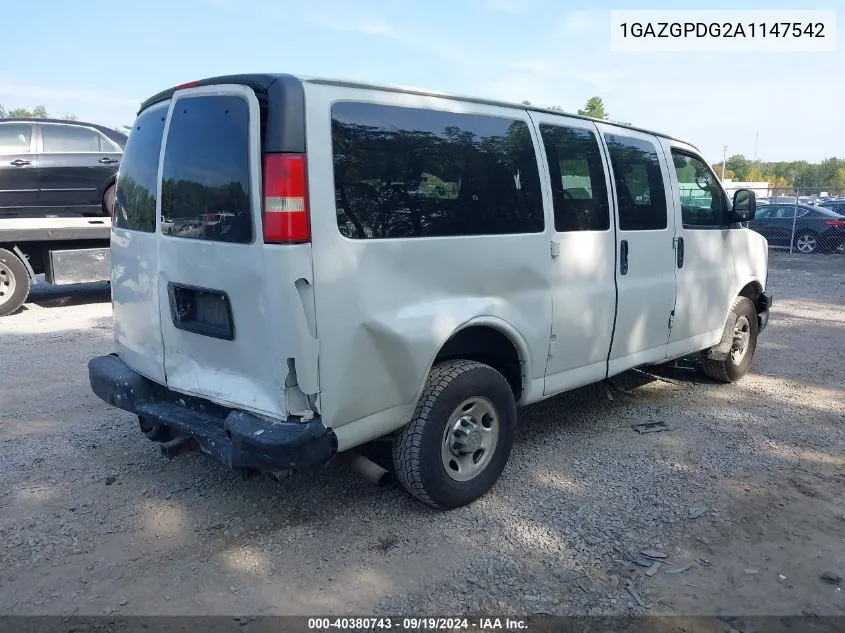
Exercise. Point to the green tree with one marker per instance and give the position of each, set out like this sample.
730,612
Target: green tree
739,165
594,108
38,111
839,179
717,167
755,174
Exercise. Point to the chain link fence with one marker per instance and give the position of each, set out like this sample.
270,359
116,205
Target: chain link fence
787,216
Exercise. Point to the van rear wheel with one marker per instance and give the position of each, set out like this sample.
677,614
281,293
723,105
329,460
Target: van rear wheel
742,345
459,440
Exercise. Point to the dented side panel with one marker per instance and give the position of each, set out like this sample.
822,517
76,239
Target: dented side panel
385,307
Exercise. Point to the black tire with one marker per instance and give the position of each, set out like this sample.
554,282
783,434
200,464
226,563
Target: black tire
14,282
417,448
155,431
807,237
732,368
108,200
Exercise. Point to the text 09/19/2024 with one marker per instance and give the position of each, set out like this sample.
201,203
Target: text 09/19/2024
723,31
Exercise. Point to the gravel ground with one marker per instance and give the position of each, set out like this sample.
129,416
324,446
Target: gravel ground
743,494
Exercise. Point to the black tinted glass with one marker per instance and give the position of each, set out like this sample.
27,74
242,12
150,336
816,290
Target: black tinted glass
205,190
703,203
69,138
579,191
407,172
639,184
135,197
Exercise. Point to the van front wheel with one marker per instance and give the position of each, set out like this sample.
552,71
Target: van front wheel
743,344
455,447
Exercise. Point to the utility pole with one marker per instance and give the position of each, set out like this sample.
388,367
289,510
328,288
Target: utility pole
756,139
724,153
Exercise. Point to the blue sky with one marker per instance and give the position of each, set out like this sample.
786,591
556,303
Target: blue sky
100,58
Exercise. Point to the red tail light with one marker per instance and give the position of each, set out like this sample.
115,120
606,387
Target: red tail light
835,222
286,217
190,84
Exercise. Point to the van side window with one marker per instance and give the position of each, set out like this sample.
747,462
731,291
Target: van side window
408,172
137,183
639,184
205,190
579,191
703,203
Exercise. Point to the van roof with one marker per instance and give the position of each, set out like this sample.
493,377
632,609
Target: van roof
506,104
268,81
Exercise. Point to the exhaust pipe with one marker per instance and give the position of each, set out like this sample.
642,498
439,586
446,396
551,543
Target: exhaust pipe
176,446
369,470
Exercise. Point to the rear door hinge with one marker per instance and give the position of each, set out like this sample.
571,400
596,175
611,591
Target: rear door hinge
671,319
552,345
555,247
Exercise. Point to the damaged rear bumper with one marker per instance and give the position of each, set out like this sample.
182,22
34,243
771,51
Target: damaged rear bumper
237,438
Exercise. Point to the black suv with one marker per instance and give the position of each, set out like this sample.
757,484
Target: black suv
57,168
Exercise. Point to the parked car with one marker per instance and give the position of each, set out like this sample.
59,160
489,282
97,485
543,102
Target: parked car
347,304
57,168
837,205
817,229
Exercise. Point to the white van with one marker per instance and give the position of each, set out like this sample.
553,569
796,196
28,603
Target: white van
405,265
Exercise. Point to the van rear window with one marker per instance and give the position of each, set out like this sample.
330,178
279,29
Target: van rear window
205,191
135,197
411,172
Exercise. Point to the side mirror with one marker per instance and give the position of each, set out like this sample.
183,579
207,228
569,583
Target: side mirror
744,207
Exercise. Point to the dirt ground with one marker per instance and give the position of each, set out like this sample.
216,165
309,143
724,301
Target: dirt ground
743,494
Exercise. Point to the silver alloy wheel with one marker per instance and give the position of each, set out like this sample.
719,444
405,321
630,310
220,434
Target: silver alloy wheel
7,283
806,243
742,336
470,438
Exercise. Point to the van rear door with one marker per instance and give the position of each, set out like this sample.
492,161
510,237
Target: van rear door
207,300
217,318
134,248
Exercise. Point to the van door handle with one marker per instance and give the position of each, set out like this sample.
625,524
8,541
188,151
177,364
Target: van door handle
107,161
20,163
623,257
680,252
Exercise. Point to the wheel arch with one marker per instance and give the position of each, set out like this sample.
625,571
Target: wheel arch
14,248
494,342
753,289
